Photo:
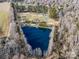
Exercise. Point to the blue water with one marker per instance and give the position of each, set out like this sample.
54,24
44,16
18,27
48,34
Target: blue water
37,37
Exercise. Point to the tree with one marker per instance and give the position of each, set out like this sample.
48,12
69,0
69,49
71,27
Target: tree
20,8
30,8
53,12
1,30
38,9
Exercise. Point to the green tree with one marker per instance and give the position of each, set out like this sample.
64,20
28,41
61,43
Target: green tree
53,12
45,9
30,8
20,7
1,31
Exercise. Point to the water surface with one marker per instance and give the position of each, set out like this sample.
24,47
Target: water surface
37,37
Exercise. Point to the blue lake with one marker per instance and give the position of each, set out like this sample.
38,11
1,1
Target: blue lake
37,37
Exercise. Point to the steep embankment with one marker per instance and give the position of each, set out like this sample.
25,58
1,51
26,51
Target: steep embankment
68,33
66,42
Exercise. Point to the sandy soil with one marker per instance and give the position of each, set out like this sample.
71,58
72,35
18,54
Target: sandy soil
4,17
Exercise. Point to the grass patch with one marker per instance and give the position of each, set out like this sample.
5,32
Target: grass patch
77,25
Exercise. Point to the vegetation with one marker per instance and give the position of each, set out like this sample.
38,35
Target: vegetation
43,24
31,8
20,8
1,30
77,25
38,9
53,12
41,9
28,22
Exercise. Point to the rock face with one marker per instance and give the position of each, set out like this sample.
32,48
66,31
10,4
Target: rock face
68,33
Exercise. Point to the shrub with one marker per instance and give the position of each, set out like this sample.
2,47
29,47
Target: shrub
53,12
38,9
77,25
43,24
